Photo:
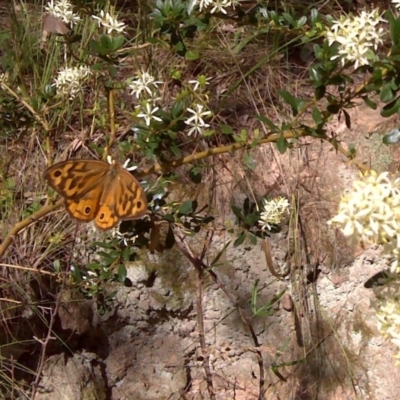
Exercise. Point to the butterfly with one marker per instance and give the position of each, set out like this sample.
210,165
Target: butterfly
97,191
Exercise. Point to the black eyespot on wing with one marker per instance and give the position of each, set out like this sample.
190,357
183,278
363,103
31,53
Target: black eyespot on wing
101,216
57,173
87,210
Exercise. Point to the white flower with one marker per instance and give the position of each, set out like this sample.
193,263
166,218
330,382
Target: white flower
196,121
219,6
215,5
357,37
203,4
371,212
110,23
70,79
144,82
201,82
127,238
273,212
147,114
4,77
63,9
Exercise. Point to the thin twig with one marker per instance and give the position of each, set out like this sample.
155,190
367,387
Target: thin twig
270,138
247,321
197,263
45,343
192,258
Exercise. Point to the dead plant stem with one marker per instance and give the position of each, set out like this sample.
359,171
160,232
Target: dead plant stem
197,263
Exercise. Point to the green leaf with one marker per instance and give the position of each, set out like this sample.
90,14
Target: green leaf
96,46
301,22
254,294
177,109
192,55
97,66
315,74
394,28
105,42
186,207
237,212
113,71
122,273
282,144
314,15
116,42
267,121
126,253
253,238
320,92
387,92
57,265
317,116
251,219
295,103
391,108
369,103
226,129
240,239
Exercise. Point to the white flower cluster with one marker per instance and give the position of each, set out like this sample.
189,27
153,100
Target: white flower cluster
70,79
357,36
371,212
145,88
63,10
214,6
4,77
196,120
144,82
108,22
273,212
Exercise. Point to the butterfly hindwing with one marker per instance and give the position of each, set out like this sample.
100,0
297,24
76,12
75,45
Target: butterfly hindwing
123,198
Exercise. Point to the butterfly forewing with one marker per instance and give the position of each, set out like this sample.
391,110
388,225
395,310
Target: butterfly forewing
73,179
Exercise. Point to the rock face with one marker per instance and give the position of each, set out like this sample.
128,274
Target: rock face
154,350
319,342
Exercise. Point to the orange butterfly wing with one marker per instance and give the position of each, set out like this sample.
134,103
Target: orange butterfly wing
96,190
123,198
80,182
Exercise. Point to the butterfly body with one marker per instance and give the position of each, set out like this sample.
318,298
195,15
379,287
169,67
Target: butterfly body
97,191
